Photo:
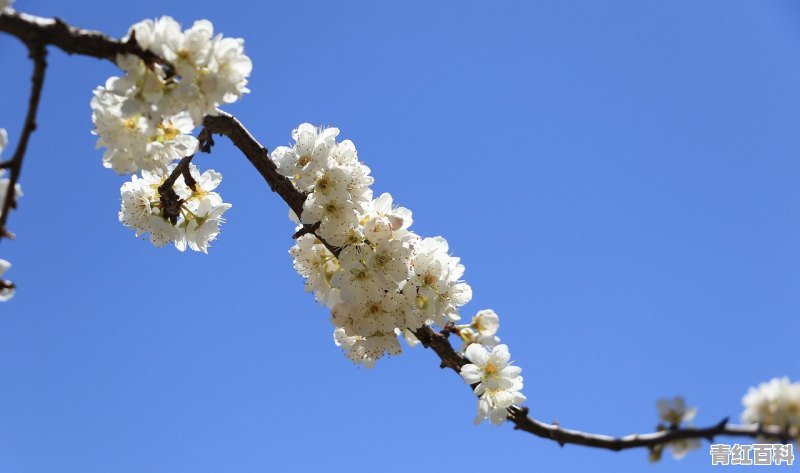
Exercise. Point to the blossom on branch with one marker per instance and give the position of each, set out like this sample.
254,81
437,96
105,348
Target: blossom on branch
776,403
6,287
482,329
137,142
496,381
208,70
674,413
4,181
200,216
384,280
145,118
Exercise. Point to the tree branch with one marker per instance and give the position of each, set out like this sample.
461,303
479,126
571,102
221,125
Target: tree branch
440,344
168,198
225,124
38,54
36,30
519,417
54,31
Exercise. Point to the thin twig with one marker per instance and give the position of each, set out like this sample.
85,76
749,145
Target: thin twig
168,199
305,230
258,155
225,124
519,415
37,30
38,54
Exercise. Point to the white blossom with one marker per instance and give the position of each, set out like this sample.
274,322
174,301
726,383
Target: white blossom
140,208
145,118
674,412
494,403
6,290
378,229
138,142
356,277
201,209
679,448
315,263
308,157
436,275
364,350
481,330
384,281
202,227
491,370
776,403
381,209
336,215
496,381
4,181
209,70
486,322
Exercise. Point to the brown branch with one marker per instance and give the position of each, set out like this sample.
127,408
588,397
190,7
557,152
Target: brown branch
169,201
35,30
38,54
519,417
450,358
258,155
305,230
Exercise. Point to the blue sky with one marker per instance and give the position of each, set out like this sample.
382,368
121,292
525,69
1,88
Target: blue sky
621,180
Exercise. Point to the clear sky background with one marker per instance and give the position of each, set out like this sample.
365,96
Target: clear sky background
621,180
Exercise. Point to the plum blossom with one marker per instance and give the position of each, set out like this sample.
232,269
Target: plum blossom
481,330
200,213
496,381
379,278
4,181
6,287
145,118
775,402
674,413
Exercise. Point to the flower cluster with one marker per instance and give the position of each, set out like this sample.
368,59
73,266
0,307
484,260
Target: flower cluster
200,216
498,384
673,413
145,118
380,279
776,403
385,280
